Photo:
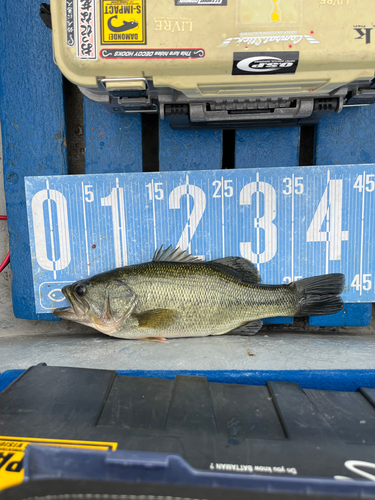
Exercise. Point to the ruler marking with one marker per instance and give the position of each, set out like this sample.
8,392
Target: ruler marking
257,216
328,221
51,230
116,227
85,229
123,227
188,215
304,259
362,235
153,213
292,228
222,215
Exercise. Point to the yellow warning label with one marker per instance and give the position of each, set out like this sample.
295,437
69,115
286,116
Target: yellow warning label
123,22
12,450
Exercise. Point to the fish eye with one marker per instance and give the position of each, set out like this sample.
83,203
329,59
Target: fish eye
80,290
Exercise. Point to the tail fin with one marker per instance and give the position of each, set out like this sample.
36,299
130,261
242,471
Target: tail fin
319,295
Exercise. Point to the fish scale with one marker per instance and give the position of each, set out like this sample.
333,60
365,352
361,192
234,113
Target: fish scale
177,295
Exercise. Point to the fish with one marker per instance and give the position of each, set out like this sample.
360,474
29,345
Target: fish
179,295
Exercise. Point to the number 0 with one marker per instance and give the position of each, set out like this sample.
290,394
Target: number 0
37,203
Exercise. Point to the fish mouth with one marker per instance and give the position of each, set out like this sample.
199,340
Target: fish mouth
65,313
77,308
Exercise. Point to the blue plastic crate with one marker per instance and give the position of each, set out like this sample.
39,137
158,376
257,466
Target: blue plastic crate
34,143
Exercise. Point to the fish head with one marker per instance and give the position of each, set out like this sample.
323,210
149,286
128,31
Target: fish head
98,302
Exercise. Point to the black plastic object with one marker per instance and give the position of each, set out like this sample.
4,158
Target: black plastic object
177,115
99,490
180,116
278,429
45,15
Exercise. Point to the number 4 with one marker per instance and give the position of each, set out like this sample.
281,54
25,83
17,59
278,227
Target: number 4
329,208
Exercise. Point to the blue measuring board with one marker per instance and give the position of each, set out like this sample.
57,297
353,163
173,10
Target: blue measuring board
292,222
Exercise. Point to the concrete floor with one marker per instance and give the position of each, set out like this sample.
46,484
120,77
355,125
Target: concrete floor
24,343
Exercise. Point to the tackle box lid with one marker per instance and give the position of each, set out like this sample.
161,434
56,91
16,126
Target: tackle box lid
215,48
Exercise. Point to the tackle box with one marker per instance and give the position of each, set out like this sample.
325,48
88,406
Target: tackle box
219,63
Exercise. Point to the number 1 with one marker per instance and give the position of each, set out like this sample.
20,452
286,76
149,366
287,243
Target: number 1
115,200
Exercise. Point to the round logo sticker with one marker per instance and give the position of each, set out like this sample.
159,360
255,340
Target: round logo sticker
261,64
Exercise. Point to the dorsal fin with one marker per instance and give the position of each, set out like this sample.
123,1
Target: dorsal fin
172,254
243,266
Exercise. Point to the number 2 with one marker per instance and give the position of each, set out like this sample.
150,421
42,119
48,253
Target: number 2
196,214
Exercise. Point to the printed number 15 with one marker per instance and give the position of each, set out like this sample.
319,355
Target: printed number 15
155,189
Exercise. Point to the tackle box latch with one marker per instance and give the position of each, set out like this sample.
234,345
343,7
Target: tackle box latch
116,85
130,94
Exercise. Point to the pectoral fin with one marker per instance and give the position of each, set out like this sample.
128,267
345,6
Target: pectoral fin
155,318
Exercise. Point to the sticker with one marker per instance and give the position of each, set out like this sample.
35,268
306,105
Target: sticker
279,469
86,29
334,2
152,54
123,22
69,14
12,451
363,32
275,16
264,63
173,24
268,37
199,2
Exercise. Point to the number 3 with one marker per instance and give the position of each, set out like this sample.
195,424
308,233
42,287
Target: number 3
264,222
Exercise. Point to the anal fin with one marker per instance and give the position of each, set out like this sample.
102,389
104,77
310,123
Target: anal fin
247,329
162,340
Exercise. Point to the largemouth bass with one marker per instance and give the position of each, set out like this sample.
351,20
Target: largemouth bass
178,295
